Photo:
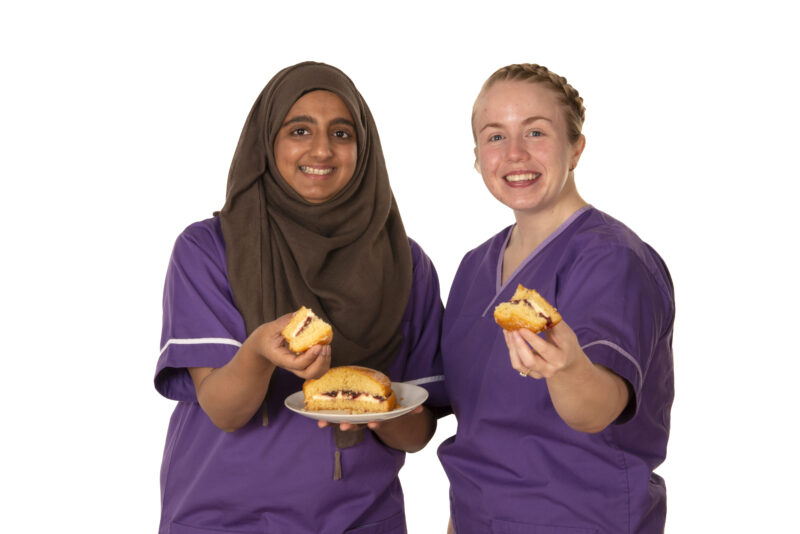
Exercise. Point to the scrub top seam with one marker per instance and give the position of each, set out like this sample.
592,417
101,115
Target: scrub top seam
620,350
200,341
499,286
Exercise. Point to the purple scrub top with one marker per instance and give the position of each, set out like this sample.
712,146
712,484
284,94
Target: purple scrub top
275,478
514,466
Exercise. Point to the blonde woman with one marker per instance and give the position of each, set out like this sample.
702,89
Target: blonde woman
559,432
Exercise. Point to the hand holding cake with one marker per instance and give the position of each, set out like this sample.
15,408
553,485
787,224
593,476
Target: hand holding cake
525,315
270,342
526,309
298,342
305,330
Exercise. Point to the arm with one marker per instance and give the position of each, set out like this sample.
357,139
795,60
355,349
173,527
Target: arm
587,397
232,394
409,433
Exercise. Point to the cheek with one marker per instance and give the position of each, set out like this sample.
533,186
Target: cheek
489,184
279,153
282,153
349,156
556,154
489,174
488,162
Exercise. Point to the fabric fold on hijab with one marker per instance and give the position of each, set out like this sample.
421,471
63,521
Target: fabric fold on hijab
347,258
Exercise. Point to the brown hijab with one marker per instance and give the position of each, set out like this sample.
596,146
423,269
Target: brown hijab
348,258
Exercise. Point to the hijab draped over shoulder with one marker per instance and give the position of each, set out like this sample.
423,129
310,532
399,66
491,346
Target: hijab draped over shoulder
348,258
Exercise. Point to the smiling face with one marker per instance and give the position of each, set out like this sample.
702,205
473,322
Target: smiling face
522,149
315,149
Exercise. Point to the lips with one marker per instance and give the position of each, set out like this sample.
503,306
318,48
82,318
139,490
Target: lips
323,171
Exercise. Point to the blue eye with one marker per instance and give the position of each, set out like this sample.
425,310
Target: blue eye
535,133
495,137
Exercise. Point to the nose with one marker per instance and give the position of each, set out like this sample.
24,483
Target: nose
321,147
517,150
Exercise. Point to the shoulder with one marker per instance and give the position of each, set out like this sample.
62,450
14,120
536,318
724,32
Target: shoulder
423,268
418,256
603,251
203,233
416,251
483,258
598,229
487,250
201,239
602,236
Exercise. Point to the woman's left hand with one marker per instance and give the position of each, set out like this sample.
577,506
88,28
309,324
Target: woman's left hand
372,425
543,358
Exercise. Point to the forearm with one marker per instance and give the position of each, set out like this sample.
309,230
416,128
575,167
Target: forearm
409,433
588,397
232,394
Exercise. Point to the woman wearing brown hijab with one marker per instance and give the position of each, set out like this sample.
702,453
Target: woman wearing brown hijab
309,220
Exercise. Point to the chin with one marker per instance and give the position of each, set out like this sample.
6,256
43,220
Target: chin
520,204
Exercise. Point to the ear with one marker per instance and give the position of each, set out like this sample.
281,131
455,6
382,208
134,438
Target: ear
577,150
475,151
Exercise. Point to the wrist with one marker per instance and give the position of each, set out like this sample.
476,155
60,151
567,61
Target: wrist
253,351
577,373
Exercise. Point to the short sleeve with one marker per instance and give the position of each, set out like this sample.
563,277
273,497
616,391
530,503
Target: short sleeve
422,330
616,307
201,325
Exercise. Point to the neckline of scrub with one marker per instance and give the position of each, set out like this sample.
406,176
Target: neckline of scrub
499,286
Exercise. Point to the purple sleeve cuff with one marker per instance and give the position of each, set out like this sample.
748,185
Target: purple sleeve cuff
621,363
172,378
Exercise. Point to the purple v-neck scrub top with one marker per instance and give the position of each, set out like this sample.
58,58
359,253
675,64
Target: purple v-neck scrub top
514,466
277,478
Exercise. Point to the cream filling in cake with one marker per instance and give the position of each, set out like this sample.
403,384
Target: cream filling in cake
310,317
348,395
535,307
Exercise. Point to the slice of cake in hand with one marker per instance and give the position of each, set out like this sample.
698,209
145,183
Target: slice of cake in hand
526,309
350,388
306,330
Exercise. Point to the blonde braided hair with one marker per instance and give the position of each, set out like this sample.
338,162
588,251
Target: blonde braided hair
530,72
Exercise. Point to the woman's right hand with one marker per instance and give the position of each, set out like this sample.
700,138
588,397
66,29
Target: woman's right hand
269,343
233,393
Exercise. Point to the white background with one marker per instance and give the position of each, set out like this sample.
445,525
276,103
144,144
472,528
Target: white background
118,124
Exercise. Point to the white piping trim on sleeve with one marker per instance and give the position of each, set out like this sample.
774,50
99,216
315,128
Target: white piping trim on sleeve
426,380
621,351
200,341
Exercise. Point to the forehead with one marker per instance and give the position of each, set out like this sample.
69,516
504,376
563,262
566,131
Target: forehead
320,103
517,100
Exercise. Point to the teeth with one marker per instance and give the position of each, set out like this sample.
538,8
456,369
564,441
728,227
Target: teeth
522,177
311,170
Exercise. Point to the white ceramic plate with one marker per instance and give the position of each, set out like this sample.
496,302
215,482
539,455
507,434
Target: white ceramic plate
409,397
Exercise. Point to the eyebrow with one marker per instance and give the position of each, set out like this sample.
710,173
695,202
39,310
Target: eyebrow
310,119
524,123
